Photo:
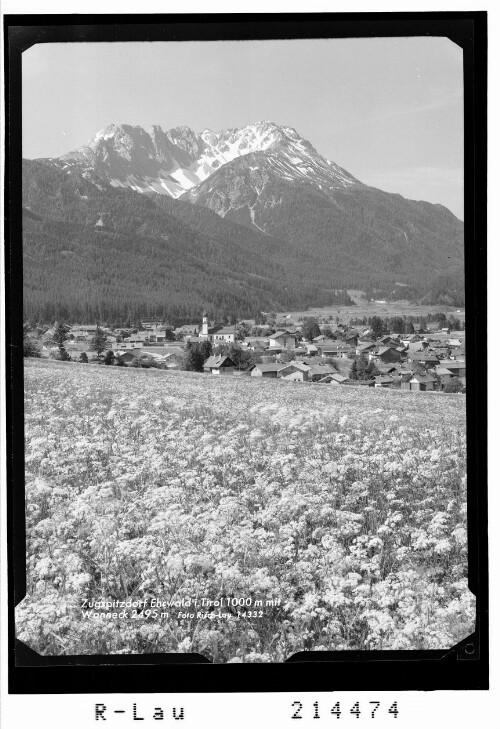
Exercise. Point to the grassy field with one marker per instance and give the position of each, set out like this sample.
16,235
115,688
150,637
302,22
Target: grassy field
322,518
363,308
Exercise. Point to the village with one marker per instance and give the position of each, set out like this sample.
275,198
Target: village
431,358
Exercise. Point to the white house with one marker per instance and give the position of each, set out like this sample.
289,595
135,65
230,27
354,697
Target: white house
283,339
226,334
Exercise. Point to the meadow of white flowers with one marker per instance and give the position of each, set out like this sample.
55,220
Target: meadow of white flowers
348,506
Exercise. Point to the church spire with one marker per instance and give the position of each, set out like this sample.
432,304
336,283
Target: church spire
204,325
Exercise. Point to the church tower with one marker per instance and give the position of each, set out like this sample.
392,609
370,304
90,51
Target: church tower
204,326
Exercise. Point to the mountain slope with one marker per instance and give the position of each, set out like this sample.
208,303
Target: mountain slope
144,261
362,235
275,209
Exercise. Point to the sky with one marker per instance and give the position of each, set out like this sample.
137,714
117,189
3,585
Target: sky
388,110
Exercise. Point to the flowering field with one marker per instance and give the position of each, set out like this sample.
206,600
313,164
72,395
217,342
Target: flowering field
343,509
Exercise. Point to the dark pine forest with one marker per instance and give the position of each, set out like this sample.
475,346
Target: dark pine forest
98,253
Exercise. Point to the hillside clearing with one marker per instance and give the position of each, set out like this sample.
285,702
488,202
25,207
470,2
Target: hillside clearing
363,307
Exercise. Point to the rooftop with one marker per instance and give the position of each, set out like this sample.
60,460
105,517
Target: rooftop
216,361
281,333
320,369
225,330
270,367
424,378
442,371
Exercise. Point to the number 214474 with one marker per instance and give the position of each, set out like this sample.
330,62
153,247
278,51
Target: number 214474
367,709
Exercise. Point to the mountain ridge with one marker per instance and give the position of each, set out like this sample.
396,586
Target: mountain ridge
173,161
274,198
147,260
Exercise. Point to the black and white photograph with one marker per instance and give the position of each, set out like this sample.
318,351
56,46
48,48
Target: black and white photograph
244,348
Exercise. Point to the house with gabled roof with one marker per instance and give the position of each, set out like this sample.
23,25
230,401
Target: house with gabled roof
226,334
383,381
257,342
295,371
318,371
283,339
174,360
415,347
386,354
137,337
335,349
385,339
219,364
311,348
195,340
387,369
455,366
444,374
157,334
269,370
351,338
365,347
424,358
335,379
398,379
423,383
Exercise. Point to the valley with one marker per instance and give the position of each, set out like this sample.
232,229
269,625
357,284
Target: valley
362,307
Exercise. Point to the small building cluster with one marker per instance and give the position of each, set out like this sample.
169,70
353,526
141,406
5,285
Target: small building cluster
422,361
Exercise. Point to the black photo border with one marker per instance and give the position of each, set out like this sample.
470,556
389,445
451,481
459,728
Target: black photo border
464,666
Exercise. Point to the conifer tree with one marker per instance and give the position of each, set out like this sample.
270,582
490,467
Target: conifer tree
98,342
353,372
360,368
60,337
31,347
378,326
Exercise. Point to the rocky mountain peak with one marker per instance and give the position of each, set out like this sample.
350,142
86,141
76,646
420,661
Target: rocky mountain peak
176,160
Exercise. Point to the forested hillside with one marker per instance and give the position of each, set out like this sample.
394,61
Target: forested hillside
143,261
364,237
165,224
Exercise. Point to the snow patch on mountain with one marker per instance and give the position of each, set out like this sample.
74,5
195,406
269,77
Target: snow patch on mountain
179,160
252,216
